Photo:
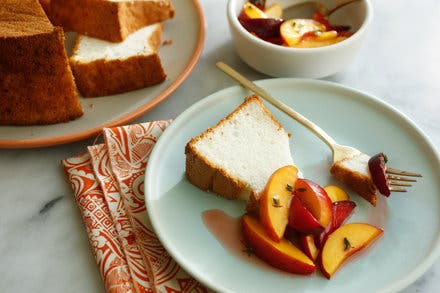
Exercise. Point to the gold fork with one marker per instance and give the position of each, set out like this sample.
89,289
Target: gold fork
339,151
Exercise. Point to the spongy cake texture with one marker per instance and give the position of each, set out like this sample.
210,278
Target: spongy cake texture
236,157
138,43
104,68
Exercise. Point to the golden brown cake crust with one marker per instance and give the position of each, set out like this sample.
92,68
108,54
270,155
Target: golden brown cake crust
203,174
111,21
46,7
110,77
361,184
103,78
22,18
36,84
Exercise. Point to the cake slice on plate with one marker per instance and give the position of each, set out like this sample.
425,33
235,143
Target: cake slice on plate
236,157
36,83
103,68
110,20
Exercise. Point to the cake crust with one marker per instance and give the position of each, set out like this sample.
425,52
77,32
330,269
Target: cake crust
103,78
360,183
36,83
112,21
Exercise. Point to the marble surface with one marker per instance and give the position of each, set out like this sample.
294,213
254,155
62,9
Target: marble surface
44,247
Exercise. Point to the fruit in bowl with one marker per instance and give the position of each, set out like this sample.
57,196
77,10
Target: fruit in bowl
268,25
266,51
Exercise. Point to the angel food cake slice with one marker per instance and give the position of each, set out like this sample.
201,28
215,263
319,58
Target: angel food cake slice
110,20
103,68
236,157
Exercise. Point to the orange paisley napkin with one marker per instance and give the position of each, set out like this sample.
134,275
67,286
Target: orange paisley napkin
108,184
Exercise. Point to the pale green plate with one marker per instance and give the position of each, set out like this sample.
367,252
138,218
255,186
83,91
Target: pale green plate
411,221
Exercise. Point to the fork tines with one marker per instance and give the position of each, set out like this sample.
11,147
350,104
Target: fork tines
398,178
395,189
404,173
394,180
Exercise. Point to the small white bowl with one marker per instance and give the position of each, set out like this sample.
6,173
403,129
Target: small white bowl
280,61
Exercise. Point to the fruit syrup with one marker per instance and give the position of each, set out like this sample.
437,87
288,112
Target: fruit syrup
227,231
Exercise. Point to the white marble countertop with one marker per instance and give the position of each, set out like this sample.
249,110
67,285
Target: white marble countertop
44,247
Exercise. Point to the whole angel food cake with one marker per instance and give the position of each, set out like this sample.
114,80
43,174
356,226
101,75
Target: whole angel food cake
236,157
36,83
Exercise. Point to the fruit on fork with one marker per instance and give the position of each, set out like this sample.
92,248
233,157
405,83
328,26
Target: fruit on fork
377,167
350,165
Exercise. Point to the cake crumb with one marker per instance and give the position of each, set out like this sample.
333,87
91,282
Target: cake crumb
167,42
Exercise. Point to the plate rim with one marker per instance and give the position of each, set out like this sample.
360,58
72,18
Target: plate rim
83,134
396,286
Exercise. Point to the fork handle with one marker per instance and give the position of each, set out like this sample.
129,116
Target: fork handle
280,105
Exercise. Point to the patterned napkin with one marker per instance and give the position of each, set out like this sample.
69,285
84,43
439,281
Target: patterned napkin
108,184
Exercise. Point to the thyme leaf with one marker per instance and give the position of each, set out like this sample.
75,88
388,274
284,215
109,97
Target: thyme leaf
247,249
347,244
276,201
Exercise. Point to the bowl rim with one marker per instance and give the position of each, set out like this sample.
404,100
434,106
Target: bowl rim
233,19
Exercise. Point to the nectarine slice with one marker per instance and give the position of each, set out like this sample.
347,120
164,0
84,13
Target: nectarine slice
275,201
252,11
292,30
282,255
343,243
342,210
315,199
309,246
274,10
335,193
301,219
326,35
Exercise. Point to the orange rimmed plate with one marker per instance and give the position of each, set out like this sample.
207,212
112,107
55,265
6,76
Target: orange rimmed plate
186,32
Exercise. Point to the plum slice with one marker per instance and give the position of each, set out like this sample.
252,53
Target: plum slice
301,219
259,3
377,166
264,28
342,210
